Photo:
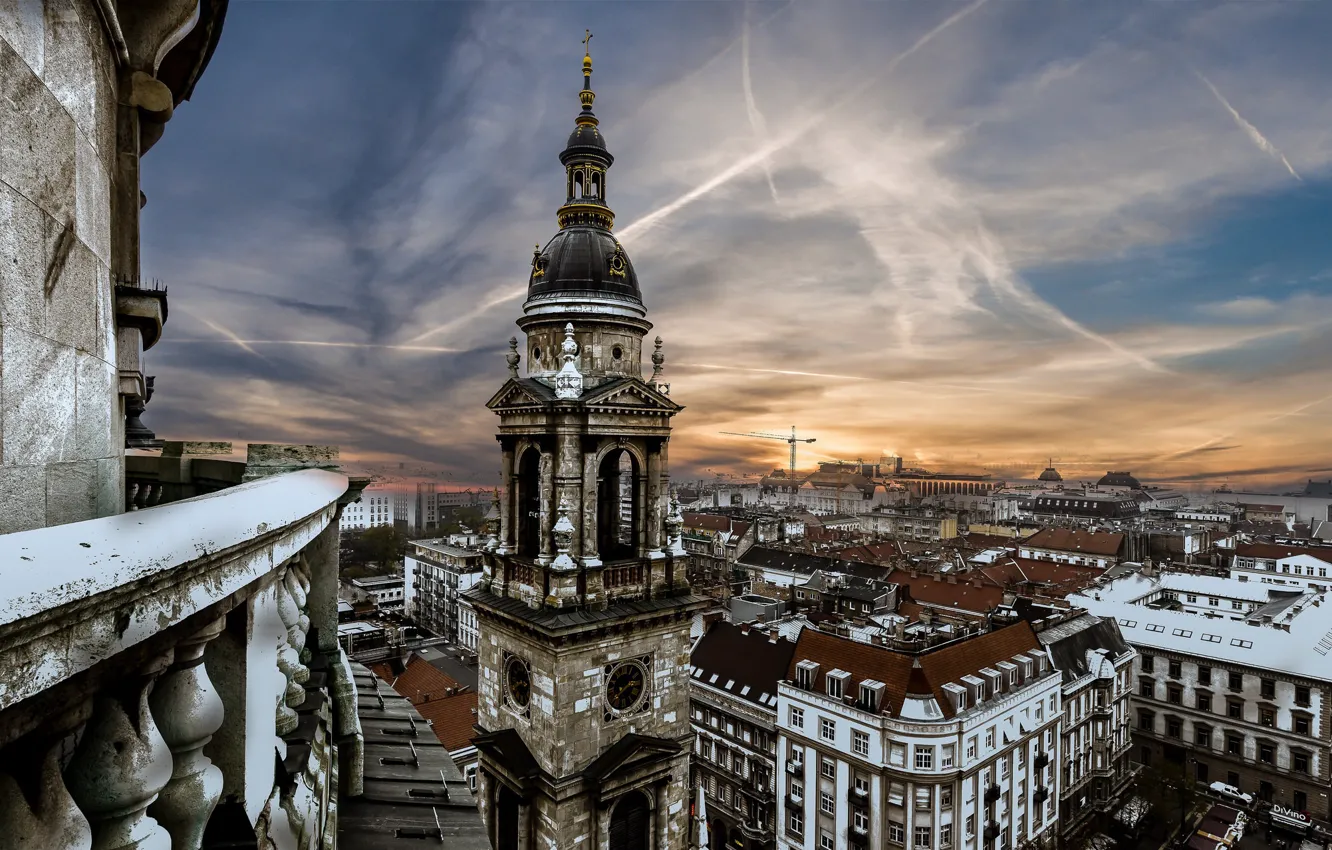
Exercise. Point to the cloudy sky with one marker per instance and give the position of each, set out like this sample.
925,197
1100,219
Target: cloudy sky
967,234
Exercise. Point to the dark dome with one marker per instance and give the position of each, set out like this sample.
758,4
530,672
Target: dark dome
584,139
1051,474
579,261
1119,479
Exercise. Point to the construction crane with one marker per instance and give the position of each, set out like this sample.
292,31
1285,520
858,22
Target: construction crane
793,439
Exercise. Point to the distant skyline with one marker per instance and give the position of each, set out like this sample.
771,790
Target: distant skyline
964,233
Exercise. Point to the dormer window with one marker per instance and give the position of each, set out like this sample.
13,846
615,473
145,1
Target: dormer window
993,681
958,695
871,694
806,673
836,681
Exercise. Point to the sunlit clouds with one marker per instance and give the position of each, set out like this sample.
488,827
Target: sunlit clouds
982,234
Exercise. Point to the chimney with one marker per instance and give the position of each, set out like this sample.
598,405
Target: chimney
952,579
938,577
744,628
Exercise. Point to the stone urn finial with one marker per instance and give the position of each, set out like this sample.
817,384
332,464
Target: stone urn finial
513,357
564,533
675,527
569,381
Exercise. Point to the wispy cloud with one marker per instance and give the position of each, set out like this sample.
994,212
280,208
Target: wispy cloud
1251,131
751,105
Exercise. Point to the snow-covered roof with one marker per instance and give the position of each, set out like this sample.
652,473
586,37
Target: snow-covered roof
1298,642
1219,586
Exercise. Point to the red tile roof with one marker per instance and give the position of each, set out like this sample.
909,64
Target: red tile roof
964,595
905,674
420,681
452,719
714,522
1076,540
1055,579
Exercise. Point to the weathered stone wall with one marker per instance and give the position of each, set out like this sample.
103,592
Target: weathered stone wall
567,728
61,425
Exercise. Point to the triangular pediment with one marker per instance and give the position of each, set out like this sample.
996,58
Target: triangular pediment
630,752
629,392
520,392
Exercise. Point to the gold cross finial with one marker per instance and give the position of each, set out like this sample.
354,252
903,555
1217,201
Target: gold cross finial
586,41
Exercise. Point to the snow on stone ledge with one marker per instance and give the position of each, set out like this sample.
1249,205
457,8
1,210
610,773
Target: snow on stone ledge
49,567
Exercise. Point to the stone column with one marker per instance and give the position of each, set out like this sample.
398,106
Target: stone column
652,509
590,556
319,559
547,510
242,665
507,508
188,711
569,486
122,763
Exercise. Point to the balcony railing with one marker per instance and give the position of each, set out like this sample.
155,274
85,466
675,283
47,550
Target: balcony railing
157,662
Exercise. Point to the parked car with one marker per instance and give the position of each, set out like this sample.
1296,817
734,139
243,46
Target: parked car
1230,792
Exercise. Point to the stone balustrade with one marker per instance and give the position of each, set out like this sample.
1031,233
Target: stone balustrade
170,677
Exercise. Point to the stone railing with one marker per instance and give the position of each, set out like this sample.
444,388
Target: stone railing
174,672
181,471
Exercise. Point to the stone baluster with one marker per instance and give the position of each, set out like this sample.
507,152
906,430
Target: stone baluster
120,766
298,586
188,710
54,820
292,642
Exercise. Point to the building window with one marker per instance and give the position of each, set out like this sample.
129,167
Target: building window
1236,681
797,717
1175,695
1202,736
795,823
797,790
971,825
989,738
1148,662
896,794
1301,695
1266,753
828,768
1173,727
827,729
1301,725
860,819
1175,671
946,757
827,803
1300,801
1235,709
860,742
923,836
1146,688
1204,675
924,758
1266,716
1269,688
1299,762
896,832
826,842
862,785
1146,721
1204,702
971,748
1235,745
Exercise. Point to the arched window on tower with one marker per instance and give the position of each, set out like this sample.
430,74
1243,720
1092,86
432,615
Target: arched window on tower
529,503
631,822
596,185
577,184
618,508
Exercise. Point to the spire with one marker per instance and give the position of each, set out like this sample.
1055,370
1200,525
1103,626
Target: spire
586,96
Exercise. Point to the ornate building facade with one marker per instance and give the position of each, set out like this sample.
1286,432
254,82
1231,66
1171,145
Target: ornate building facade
584,609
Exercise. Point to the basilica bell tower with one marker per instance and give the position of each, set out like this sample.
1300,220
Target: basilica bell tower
584,609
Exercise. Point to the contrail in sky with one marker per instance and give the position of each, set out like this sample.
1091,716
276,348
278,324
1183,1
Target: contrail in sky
245,343
1251,131
928,384
751,106
484,307
762,154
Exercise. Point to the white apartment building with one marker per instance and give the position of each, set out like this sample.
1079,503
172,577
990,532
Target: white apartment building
1232,680
1097,665
435,574
469,634
955,748
377,506
385,591
1275,563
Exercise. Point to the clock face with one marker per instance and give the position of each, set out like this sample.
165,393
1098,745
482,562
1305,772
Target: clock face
517,682
625,686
